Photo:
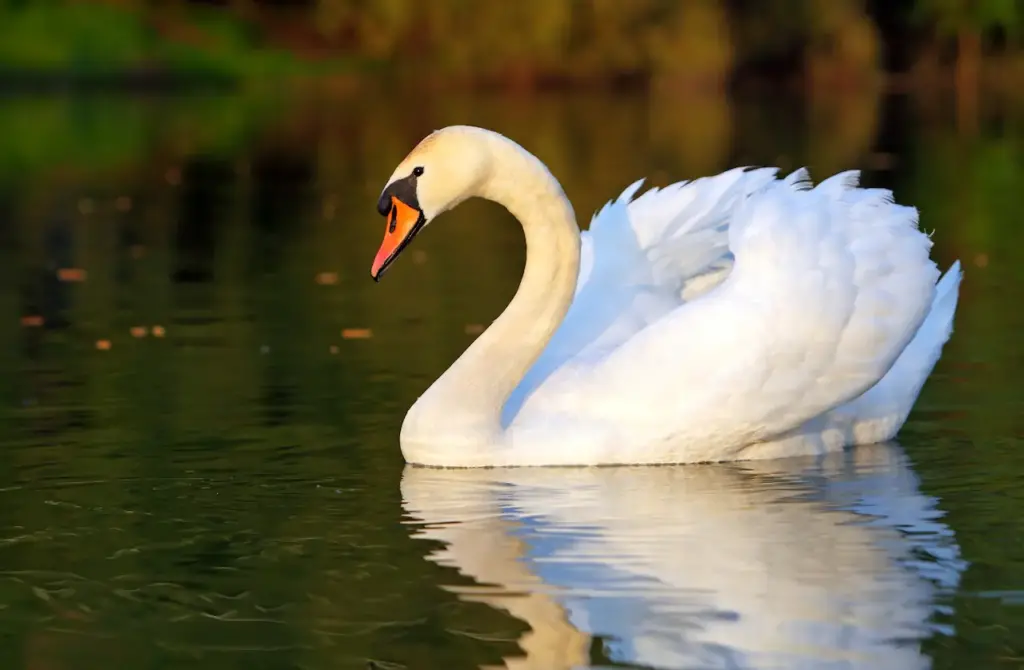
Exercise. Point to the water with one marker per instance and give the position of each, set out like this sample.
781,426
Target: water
201,390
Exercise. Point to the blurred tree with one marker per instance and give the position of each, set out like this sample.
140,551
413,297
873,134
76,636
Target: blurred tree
373,28
842,41
691,39
969,21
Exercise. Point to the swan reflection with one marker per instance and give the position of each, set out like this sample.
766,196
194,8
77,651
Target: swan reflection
834,562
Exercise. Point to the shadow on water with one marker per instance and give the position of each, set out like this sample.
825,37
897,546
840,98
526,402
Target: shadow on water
201,389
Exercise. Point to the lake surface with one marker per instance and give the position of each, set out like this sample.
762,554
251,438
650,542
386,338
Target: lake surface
201,391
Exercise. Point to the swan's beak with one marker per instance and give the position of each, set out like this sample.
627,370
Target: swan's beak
403,222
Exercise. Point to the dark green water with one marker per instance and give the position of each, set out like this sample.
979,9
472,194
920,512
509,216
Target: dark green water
200,462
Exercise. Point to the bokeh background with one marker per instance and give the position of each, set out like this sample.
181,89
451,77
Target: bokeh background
522,45
201,388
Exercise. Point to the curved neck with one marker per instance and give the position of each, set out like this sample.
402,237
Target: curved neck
465,403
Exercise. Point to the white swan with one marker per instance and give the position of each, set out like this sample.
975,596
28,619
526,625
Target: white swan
831,562
734,317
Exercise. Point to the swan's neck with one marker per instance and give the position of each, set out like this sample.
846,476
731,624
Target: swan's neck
463,407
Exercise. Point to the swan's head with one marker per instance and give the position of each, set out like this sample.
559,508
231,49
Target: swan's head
445,168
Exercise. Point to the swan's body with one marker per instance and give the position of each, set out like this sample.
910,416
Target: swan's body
734,317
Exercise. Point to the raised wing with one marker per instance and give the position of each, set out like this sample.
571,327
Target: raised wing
641,259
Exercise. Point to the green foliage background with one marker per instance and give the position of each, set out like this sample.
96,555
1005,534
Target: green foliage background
519,42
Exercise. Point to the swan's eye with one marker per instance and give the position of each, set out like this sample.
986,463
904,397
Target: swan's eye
418,171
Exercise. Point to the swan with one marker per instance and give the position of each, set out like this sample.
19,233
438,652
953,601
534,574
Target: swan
819,562
734,317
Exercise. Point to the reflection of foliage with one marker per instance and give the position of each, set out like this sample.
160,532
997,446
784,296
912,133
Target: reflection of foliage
831,34
976,182
70,36
99,134
974,23
843,126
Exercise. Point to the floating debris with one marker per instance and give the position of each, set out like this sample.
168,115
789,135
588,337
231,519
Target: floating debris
103,345
158,331
419,257
474,328
327,278
333,348
71,274
981,259
356,333
32,321
138,331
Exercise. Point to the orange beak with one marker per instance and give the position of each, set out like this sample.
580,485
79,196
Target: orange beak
403,222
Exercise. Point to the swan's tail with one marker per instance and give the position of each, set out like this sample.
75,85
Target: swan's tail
882,410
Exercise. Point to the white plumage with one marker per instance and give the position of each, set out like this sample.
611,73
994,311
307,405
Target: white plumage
733,317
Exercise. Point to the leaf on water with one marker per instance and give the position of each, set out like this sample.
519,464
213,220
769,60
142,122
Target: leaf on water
71,274
356,333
